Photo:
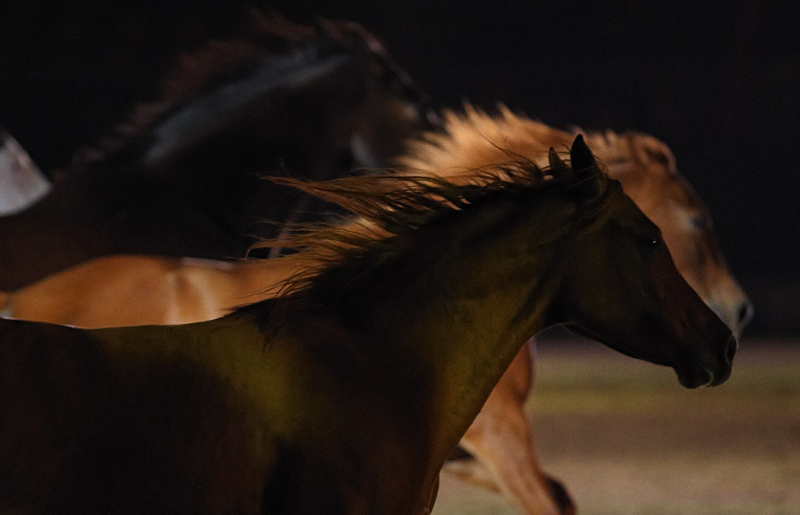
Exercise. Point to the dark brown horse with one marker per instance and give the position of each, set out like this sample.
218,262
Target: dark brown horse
139,290
181,179
346,393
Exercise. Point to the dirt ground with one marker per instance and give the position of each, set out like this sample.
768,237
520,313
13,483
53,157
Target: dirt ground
626,439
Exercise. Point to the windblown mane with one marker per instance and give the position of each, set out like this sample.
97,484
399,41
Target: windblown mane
332,257
475,139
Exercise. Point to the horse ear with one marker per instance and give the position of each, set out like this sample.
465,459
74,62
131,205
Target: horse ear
581,157
590,179
557,167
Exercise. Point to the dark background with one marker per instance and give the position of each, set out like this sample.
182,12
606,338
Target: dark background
718,82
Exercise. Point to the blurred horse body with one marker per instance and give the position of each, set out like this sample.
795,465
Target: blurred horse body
129,290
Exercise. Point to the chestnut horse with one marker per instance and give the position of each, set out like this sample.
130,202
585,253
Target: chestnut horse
347,392
136,290
181,179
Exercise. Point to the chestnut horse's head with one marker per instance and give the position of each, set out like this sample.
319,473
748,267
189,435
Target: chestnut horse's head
646,168
622,288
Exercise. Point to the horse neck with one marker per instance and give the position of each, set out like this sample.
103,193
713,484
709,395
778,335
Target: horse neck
453,316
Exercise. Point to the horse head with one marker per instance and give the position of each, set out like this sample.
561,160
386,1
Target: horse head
622,288
646,168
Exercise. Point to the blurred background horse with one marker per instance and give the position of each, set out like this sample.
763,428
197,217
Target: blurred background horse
182,177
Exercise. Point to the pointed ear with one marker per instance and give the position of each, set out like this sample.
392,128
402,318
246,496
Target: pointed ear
581,157
591,181
557,167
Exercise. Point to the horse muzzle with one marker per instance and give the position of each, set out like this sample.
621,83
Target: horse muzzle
697,375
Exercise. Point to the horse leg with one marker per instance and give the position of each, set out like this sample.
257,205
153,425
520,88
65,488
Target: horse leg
500,438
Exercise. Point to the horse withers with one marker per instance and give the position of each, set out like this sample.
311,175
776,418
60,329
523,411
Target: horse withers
347,392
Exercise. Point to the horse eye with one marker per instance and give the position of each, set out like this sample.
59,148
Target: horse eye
653,243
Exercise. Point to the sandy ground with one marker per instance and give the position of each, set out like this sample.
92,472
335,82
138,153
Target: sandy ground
626,439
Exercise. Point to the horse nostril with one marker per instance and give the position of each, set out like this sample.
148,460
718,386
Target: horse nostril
730,351
744,314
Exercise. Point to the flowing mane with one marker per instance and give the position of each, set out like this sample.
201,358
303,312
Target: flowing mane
474,139
332,257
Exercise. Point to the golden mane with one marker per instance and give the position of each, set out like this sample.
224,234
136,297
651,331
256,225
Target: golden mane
474,139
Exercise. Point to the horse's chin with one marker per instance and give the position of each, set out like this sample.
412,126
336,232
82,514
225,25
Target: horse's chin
697,374
695,377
